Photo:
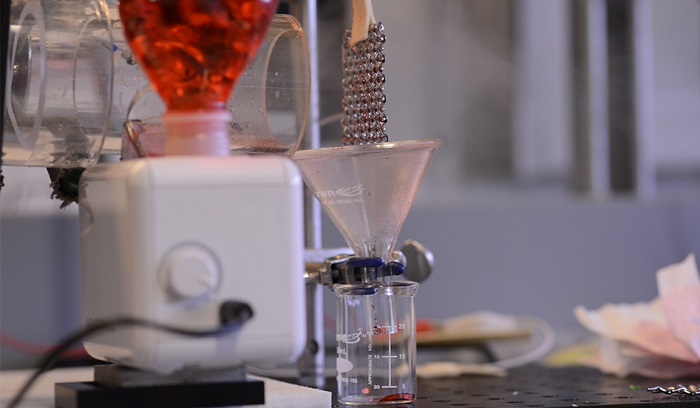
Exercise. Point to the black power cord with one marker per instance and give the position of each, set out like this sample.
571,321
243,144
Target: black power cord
232,315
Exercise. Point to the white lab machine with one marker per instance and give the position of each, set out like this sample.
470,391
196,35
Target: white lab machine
171,239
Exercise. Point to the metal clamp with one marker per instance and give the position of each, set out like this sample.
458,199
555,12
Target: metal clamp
414,262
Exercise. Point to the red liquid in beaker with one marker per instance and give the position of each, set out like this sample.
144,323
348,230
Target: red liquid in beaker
194,50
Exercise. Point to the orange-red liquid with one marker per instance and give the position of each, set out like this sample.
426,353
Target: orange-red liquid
194,50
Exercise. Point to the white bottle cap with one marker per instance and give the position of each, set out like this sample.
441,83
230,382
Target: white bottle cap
200,133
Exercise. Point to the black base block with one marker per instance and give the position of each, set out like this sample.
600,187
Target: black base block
217,394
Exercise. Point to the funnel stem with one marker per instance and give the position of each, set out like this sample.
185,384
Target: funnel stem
392,305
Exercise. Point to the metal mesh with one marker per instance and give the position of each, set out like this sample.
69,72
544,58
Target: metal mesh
364,120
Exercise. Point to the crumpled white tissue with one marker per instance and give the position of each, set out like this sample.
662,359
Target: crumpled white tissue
659,339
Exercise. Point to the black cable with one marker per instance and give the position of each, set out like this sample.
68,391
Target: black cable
232,315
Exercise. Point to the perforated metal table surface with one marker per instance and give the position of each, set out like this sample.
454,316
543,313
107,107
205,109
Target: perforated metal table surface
537,386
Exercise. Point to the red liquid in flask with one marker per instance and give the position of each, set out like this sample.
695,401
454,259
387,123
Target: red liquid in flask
193,51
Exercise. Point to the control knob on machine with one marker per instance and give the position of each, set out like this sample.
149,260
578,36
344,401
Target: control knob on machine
191,272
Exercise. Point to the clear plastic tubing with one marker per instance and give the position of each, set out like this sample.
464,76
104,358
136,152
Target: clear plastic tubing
376,343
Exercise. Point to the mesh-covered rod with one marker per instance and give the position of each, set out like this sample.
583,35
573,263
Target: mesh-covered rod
364,119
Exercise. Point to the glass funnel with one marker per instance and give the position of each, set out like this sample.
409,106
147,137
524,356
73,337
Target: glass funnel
367,190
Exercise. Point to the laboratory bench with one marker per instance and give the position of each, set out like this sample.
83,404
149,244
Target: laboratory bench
529,386
538,386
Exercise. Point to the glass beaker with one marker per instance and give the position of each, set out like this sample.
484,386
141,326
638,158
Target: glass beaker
59,86
270,102
376,343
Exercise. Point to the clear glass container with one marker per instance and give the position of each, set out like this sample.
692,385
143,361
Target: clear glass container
269,105
59,87
74,83
376,343
367,190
